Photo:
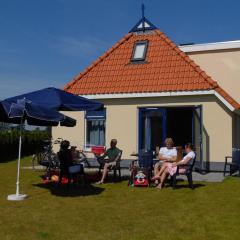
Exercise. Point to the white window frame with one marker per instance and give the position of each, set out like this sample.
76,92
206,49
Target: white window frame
136,45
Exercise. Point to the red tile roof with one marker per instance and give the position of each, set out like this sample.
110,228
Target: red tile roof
167,69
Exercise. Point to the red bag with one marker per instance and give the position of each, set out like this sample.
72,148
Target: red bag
140,180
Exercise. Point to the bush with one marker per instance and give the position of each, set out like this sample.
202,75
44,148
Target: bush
31,143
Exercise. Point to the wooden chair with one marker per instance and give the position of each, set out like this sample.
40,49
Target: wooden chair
234,164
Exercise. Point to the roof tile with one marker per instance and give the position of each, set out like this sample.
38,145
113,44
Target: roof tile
167,68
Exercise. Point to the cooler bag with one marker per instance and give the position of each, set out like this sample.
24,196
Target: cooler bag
140,180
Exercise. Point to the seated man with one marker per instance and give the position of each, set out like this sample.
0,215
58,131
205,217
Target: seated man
171,168
113,154
166,154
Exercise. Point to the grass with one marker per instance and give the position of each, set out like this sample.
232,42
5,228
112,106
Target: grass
115,211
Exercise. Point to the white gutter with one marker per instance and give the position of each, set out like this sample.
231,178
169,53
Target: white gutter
226,103
150,94
160,94
210,46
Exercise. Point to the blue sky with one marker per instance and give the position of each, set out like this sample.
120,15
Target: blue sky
48,42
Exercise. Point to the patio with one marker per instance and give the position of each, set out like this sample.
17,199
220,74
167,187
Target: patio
115,211
210,177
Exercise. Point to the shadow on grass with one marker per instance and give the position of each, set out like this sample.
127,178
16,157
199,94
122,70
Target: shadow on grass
181,183
111,179
195,185
70,191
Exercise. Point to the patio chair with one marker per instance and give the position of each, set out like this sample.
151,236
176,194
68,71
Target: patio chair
77,171
73,171
144,163
188,173
234,165
116,168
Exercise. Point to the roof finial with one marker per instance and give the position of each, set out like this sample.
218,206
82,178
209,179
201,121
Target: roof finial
143,9
143,17
143,24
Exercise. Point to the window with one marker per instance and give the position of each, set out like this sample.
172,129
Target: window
95,127
139,51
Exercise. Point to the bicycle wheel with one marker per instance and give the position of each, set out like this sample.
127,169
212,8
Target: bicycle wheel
39,159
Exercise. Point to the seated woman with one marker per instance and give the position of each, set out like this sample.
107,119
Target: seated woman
166,154
171,168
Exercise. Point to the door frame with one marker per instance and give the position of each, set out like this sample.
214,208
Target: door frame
163,109
198,108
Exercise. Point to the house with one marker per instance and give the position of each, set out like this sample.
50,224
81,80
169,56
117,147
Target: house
151,90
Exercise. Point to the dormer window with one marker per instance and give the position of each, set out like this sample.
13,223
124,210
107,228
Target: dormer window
139,51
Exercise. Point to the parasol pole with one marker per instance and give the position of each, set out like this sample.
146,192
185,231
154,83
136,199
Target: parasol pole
19,157
18,196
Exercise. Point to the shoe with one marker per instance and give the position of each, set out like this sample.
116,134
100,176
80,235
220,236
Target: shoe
99,182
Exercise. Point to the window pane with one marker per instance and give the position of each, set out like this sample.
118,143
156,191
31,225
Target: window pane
96,132
139,51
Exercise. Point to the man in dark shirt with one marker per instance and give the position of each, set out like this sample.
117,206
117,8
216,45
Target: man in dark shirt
109,159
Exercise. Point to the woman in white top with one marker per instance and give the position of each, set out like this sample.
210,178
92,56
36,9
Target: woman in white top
166,154
171,168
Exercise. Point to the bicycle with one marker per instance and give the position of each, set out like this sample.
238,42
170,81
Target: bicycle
46,157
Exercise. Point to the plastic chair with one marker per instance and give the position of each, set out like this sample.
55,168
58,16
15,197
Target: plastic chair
188,173
234,165
116,168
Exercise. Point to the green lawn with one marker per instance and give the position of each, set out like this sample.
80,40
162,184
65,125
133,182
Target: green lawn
115,211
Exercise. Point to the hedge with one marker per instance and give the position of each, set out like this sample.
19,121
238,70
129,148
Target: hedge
31,143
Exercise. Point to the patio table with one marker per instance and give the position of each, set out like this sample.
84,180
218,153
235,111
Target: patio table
137,155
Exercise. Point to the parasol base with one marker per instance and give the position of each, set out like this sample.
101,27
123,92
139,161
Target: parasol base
15,197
